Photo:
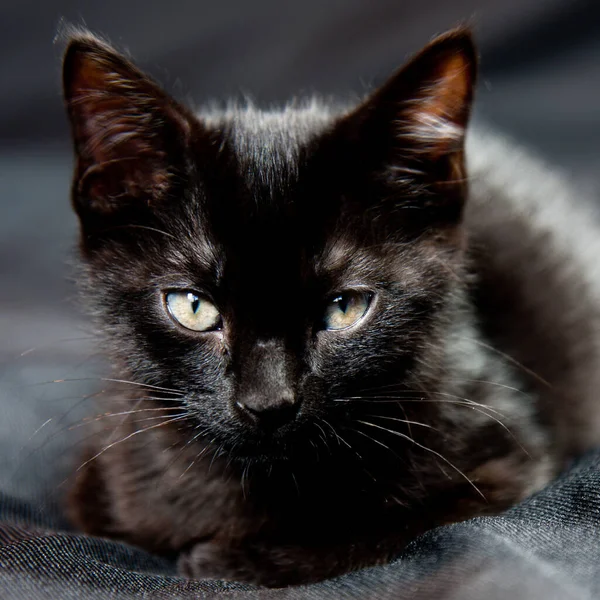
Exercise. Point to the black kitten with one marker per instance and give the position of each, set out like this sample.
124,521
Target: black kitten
337,335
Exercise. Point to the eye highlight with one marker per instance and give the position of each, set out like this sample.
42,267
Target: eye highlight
192,311
346,309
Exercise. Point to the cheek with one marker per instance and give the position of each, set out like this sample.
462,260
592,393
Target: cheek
195,363
201,367
381,352
344,361
208,389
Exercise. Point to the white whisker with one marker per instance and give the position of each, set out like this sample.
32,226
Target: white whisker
133,383
127,437
406,437
406,421
510,359
88,420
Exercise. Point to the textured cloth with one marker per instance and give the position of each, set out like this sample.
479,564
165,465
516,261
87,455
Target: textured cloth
548,548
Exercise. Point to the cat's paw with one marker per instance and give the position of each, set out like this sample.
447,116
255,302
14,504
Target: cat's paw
207,560
256,564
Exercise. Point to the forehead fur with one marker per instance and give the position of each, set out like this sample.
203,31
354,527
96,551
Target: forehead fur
413,265
269,144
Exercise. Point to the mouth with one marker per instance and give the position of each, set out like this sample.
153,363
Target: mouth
259,448
290,443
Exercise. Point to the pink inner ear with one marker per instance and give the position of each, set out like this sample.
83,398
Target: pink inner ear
118,118
435,120
114,116
107,184
113,126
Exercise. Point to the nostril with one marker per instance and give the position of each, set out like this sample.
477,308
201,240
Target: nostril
270,416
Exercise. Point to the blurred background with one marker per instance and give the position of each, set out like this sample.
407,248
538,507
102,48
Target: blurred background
540,83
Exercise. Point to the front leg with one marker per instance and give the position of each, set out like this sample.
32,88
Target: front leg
273,560
273,565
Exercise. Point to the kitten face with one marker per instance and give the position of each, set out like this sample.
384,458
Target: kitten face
273,266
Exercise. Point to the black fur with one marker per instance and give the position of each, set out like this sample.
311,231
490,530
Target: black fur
407,419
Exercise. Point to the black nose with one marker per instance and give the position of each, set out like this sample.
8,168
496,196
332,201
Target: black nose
271,415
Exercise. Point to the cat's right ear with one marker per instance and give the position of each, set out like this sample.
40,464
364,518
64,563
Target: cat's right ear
409,135
129,135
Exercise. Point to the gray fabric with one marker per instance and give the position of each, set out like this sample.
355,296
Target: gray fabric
545,549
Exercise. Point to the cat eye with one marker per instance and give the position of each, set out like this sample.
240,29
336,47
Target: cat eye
346,309
192,311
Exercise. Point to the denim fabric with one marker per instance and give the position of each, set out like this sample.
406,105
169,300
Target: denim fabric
546,548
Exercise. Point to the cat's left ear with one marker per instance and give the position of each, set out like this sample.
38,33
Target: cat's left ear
128,133
411,131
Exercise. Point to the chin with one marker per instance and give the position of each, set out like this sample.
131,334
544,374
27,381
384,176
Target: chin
265,447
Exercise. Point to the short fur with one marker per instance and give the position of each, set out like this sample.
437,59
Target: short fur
469,382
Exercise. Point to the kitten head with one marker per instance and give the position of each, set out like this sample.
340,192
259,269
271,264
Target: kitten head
286,271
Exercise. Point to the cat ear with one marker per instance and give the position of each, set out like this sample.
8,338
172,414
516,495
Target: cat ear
128,133
411,131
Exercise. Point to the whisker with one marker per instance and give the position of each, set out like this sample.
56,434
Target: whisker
159,417
122,422
375,440
58,432
510,359
125,381
127,437
295,483
53,344
88,420
243,477
323,436
40,428
480,408
504,426
391,386
200,454
231,456
452,465
214,456
406,421
476,408
488,382
144,385
117,398
339,438
400,400
142,227
471,402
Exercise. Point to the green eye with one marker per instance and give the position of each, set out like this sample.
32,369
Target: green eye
346,309
192,311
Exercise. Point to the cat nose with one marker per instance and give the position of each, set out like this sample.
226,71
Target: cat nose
268,415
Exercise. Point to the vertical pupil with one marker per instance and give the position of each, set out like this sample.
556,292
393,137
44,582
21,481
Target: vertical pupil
194,302
342,302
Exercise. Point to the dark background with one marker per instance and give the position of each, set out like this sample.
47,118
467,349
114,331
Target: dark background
540,83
